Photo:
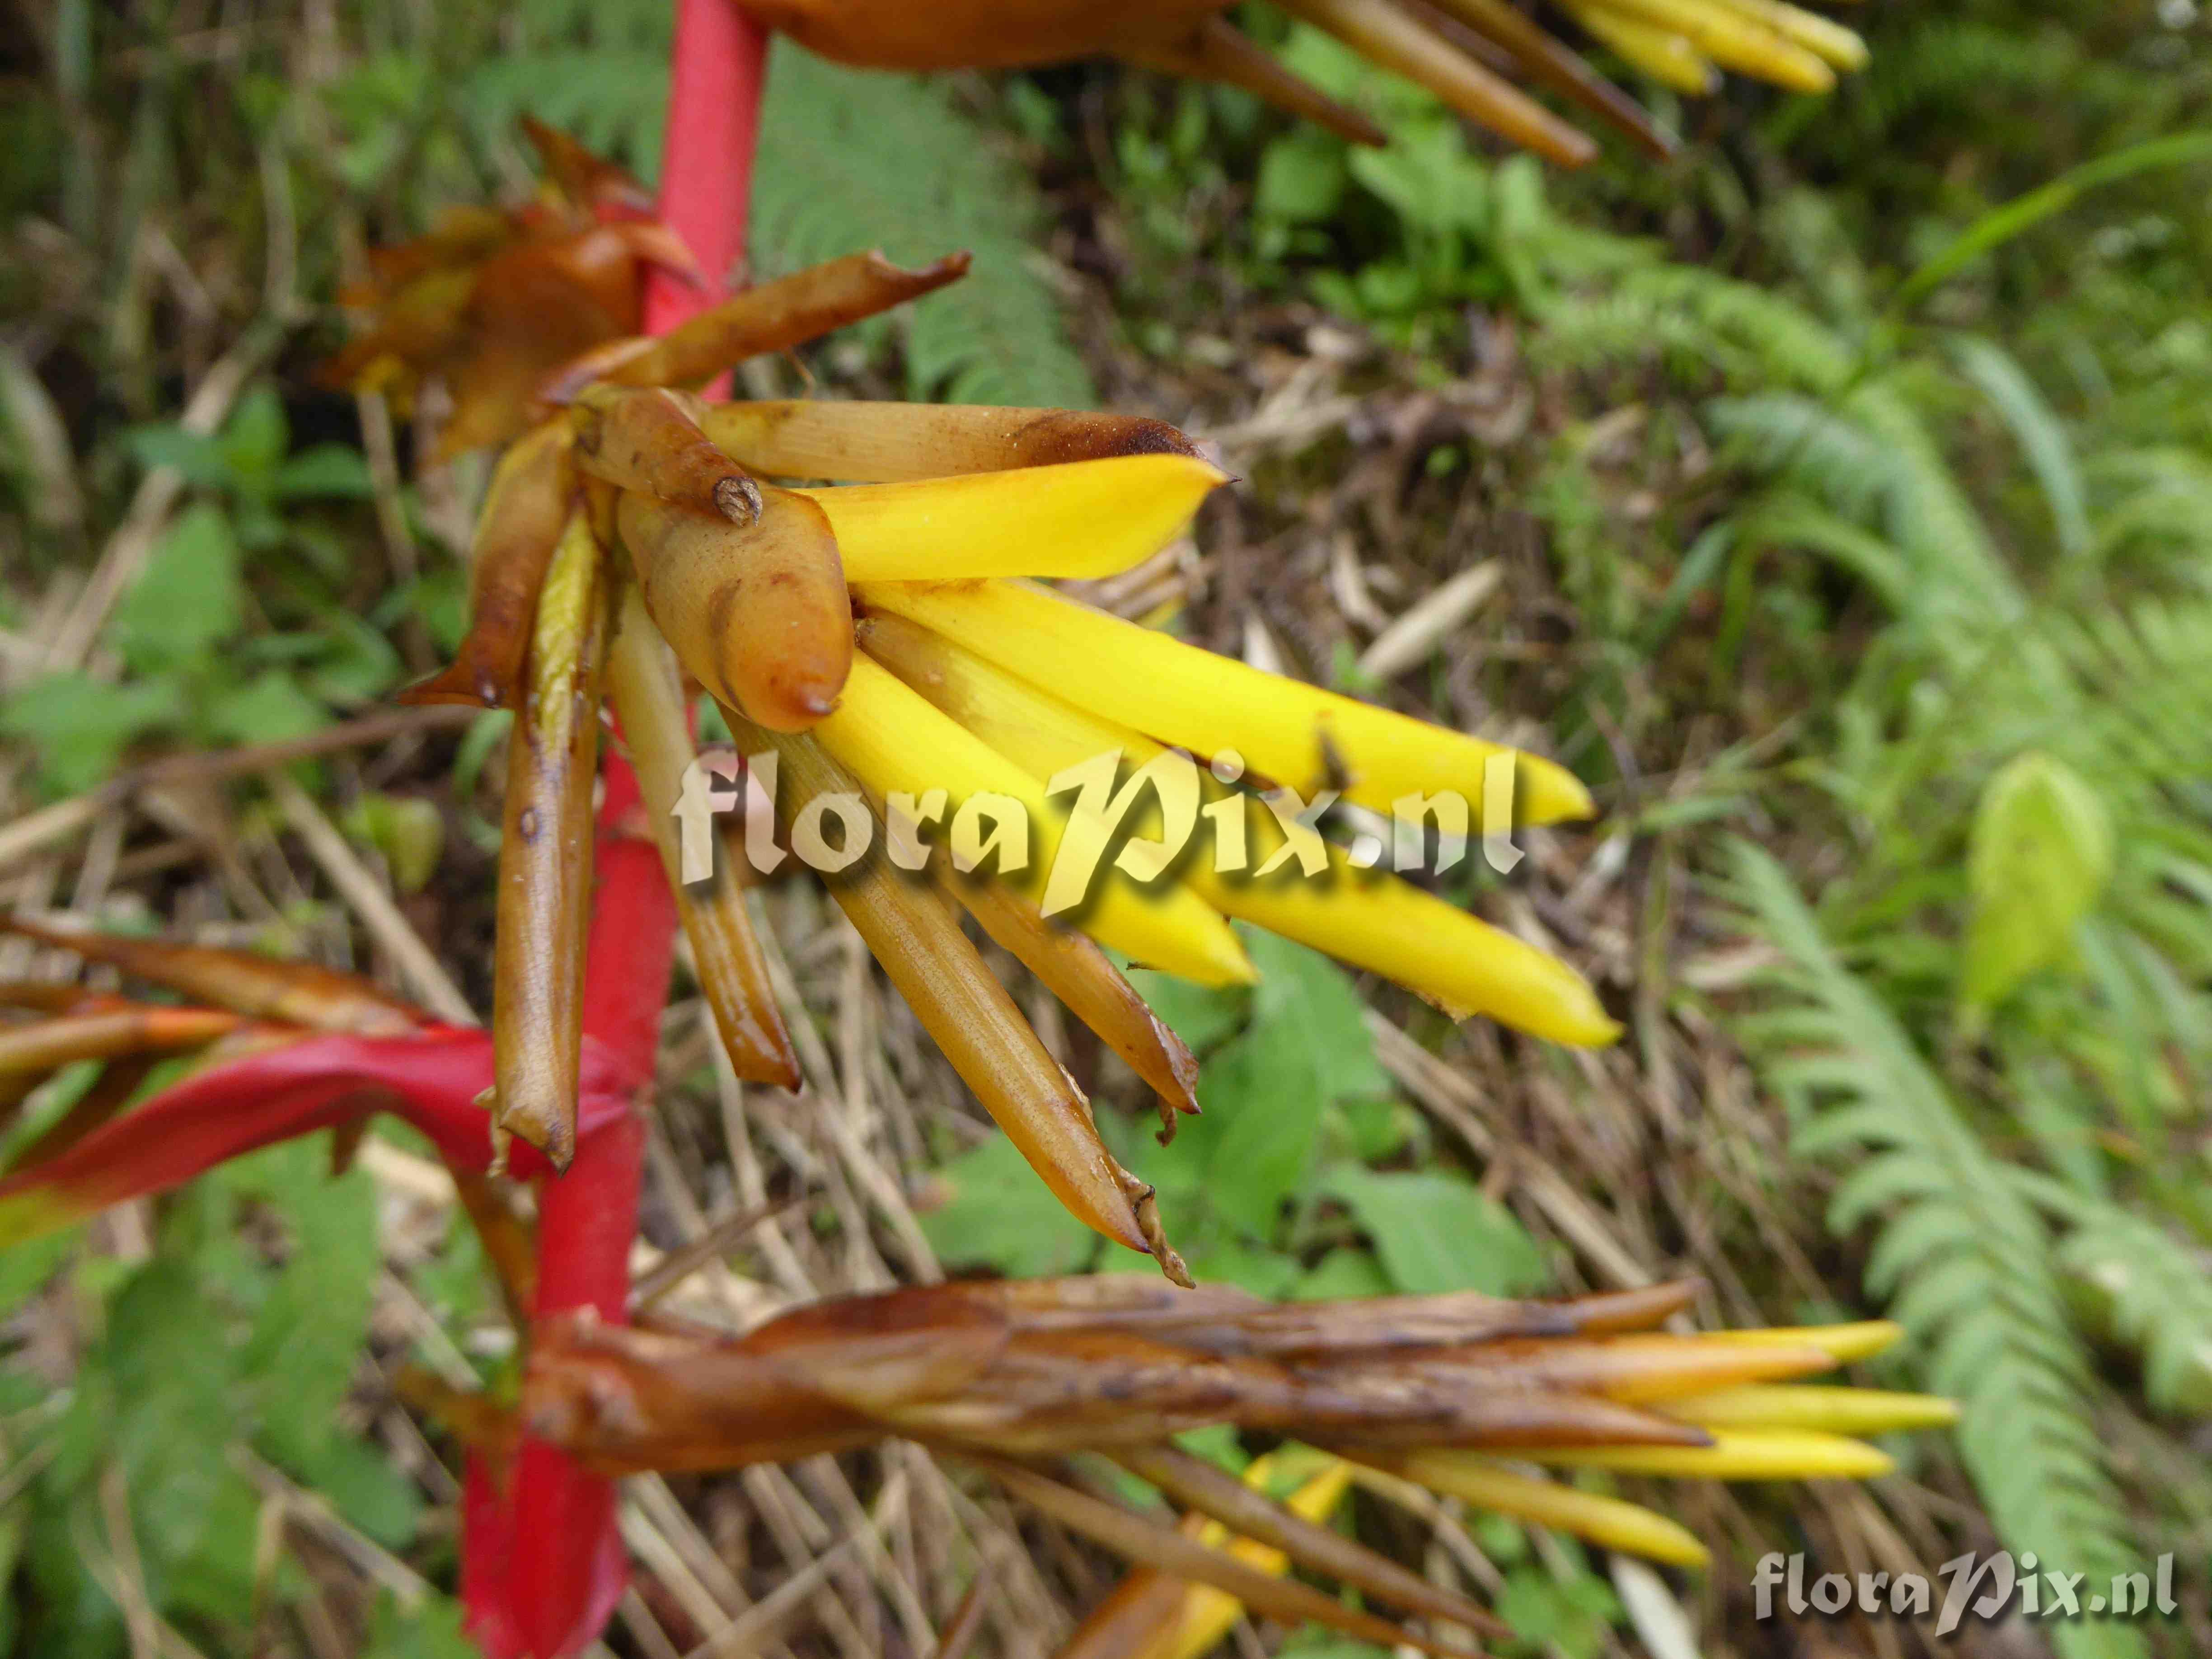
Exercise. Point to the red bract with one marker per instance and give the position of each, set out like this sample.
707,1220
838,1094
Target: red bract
431,1077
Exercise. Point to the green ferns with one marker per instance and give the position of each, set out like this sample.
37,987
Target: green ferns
850,160
2019,1141
1965,1260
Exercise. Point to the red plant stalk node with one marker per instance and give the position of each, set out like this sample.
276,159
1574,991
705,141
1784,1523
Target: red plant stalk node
543,1563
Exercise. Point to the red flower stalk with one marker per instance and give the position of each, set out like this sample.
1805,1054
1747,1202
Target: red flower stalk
542,1561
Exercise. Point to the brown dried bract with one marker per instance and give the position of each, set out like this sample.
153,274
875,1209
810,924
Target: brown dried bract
257,988
773,317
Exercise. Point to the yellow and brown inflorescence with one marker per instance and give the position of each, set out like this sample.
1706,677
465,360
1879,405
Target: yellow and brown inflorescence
1463,1396
1475,55
887,641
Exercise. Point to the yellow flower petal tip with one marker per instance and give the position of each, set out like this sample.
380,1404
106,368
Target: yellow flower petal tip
1612,1522
1844,1344
1294,734
1078,519
1737,1455
1546,792
1858,1412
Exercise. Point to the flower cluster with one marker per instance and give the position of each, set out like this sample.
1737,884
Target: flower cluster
1475,55
885,636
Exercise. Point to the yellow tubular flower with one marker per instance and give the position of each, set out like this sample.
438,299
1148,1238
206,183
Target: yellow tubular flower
893,740
1842,1343
1208,1614
1856,1411
1735,42
1374,921
1086,518
1661,53
1295,733
1831,42
1735,1455
1612,1523
1405,45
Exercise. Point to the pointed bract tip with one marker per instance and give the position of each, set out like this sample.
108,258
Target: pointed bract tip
739,500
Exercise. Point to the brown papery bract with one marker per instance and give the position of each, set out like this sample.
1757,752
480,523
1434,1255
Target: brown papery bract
861,442
647,439
1144,1541
532,308
774,317
294,992
1378,30
955,1364
1560,68
1044,1366
644,686
910,929
1214,50
1198,1484
103,1033
532,492
1082,976
1633,1370
583,177
972,33
760,616
545,859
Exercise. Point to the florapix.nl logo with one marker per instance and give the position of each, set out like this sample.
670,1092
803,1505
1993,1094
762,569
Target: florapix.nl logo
1988,1588
1257,833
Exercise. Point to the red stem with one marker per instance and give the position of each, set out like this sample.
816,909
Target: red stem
544,1563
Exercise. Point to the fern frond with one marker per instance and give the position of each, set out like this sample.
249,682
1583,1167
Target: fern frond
1697,322
2156,1287
850,159
1970,1259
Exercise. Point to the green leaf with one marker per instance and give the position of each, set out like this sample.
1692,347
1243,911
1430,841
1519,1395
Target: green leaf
25,1269
190,598
1305,996
80,726
198,457
1428,176
161,1408
308,1332
407,829
1202,1014
255,438
268,708
1267,1093
1302,177
1264,1098
364,1484
2041,854
354,662
1315,1642
1437,1232
1572,1614
431,1631
326,469
1343,1275
1000,1215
